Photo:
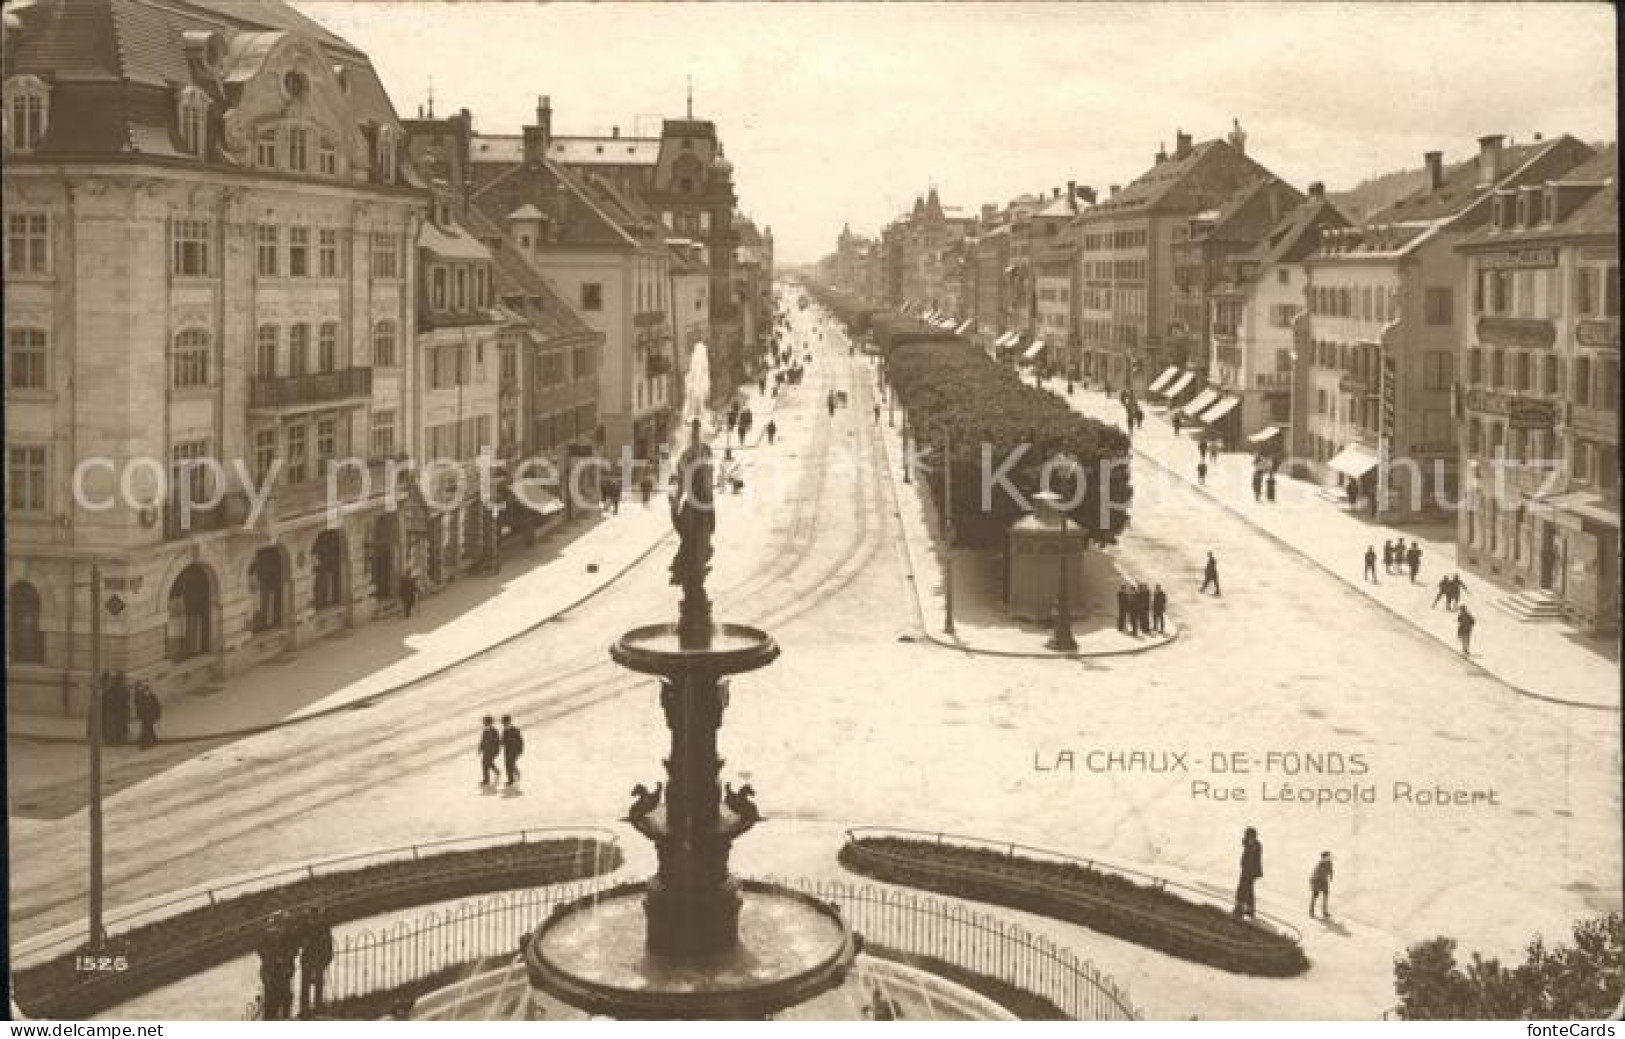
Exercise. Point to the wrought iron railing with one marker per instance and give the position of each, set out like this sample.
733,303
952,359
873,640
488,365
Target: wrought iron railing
290,391
371,962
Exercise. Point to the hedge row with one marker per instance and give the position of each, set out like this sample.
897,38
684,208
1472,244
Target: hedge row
180,946
956,394
1073,892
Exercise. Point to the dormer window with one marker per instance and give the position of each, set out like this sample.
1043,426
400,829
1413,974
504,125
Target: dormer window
1523,211
192,107
295,84
383,160
1534,215
327,158
28,111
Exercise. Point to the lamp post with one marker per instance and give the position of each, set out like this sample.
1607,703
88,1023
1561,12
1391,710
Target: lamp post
93,718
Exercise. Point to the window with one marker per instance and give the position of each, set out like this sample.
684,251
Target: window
1475,436
481,284
1436,427
1475,365
1581,393
327,347
1524,282
1549,381
592,296
327,158
298,252
298,148
1500,292
28,107
1607,383
265,343
190,479
1438,369
383,164
191,363
264,453
1282,276
385,256
298,349
25,642
326,444
383,434
193,109
189,248
1440,304
25,359
28,243
581,363
268,250
1497,369
265,150
383,344
438,292
510,363
25,479
552,369
297,454
1281,315
327,253
460,288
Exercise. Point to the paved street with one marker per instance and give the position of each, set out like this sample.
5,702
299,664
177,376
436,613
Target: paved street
855,725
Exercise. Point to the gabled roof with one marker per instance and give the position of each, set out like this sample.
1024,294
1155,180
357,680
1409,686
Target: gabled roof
1180,183
1461,187
524,288
451,243
1297,233
1598,214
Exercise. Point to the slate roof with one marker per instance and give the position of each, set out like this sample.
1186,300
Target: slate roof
1461,187
1186,183
1597,215
524,288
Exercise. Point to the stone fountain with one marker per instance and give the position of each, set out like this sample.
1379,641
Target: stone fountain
693,941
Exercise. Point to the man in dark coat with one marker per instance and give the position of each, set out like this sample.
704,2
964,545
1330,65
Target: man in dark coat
1413,559
1252,870
1371,564
1464,630
1123,608
1142,606
1258,483
1210,575
147,711
315,956
490,748
1159,610
1388,556
513,745
1269,487
277,952
408,593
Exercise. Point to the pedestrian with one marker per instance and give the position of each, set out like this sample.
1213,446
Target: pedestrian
513,745
117,707
1159,610
831,403
1269,487
1201,450
1388,556
147,710
877,414
408,593
1457,587
1443,593
1399,556
1252,870
1210,575
277,952
1258,483
646,487
1371,564
1413,559
772,431
1201,473
315,956
490,747
1123,609
1142,599
1320,886
1176,423
1464,630
762,384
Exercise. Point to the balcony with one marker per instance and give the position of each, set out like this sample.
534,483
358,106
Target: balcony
290,392
353,488
1273,380
649,318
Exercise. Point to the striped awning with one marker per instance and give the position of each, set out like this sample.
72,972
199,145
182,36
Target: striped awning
1264,435
964,326
1034,350
1218,411
1354,461
1200,403
1163,381
1180,385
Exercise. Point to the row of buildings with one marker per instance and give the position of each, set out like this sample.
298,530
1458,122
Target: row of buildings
1456,353
247,305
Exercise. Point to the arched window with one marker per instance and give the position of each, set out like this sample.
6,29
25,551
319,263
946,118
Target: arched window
192,109
265,344
28,112
298,349
25,642
327,347
383,344
191,360
25,359
190,604
327,559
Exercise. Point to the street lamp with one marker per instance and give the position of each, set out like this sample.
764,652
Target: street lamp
1061,639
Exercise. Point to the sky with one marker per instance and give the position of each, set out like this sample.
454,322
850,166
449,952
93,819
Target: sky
840,114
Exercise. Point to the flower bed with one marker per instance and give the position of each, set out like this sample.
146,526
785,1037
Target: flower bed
167,950
1071,891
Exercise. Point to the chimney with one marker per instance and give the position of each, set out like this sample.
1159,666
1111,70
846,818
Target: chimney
615,131
539,136
1115,189
1489,158
1435,165
1057,193
1237,137
1161,156
1072,194
1087,194
1182,145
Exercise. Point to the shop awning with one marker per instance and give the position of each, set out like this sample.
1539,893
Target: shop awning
1264,435
1162,381
964,326
1218,411
1201,402
1034,350
1354,461
1008,339
1587,505
1180,385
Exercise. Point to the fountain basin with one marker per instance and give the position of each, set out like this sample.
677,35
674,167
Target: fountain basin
662,649
591,955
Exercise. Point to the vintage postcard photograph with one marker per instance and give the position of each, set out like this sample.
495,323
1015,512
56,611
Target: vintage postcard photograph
995,512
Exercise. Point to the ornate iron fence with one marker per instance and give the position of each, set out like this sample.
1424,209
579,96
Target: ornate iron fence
369,962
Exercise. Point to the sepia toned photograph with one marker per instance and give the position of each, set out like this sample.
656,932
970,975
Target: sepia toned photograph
811,511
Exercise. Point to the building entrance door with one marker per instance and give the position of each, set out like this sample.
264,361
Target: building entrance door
1549,568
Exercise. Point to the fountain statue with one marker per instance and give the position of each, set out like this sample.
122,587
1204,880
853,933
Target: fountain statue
697,384
693,941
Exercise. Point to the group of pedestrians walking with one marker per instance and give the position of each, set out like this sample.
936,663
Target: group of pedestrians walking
1141,610
1397,558
120,698
1264,470
303,937
508,743
1252,871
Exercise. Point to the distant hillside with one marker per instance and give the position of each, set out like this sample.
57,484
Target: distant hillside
1377,193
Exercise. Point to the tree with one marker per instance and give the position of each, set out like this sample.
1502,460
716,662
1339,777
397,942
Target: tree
1575,982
